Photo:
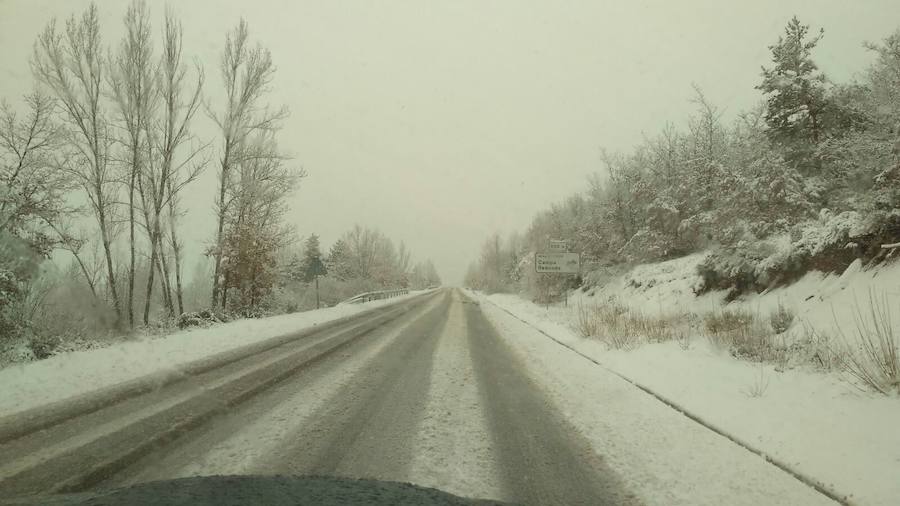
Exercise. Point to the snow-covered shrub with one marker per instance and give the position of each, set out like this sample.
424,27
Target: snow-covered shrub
15,351
79,344
201,318
830,233
45,346
727,320
624,328
11,324
872,353
781,318
829,243
586,321
662,328
607,322
732,268
741,333
646,245
812,347
285,299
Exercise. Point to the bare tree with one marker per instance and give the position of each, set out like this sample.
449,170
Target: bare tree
167,174
246,72
180,109
71,65
362,246
255,228
403,258
131,81
33,196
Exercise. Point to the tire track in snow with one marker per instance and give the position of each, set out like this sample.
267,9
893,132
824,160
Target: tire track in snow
241,441
366,427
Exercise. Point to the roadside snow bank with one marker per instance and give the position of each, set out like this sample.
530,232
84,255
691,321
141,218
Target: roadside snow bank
662,456
814,422
32,384
819,301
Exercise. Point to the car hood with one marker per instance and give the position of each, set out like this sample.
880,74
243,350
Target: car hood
258,490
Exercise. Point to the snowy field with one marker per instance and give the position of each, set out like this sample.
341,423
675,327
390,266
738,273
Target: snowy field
817,423
32,384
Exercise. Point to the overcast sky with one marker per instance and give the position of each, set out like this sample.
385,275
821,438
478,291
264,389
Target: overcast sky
442,122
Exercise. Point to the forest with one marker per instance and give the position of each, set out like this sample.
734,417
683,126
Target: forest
809,179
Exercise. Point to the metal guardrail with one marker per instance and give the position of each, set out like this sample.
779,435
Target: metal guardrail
369,296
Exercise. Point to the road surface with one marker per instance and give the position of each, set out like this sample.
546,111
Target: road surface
358,403
424,391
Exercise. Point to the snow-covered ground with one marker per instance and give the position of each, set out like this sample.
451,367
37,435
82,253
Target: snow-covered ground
817,423
661,456
819,301
28,385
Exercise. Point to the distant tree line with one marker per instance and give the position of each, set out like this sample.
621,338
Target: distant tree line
809,179
94,166
361,260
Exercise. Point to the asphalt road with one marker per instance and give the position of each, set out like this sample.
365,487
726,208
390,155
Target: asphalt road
424,391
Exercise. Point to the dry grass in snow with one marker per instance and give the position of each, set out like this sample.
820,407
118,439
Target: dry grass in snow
871,354
622,328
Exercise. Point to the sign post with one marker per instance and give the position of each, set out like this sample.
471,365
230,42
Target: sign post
558,246
561,263
314,269
558,262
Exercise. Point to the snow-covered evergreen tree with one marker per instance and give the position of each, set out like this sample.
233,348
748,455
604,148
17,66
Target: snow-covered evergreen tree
313,265
794,88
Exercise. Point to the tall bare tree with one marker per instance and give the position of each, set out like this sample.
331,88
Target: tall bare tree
131,79
180,109
169,170
71,65
246,72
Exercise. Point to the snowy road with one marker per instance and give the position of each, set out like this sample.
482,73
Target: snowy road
438,391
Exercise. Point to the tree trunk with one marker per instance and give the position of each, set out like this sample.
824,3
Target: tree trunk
150,274
110,269
176,254
224,293
217,270
163,290
87,275
165,282
131,267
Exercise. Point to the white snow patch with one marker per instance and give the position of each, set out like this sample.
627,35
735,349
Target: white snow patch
33,384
